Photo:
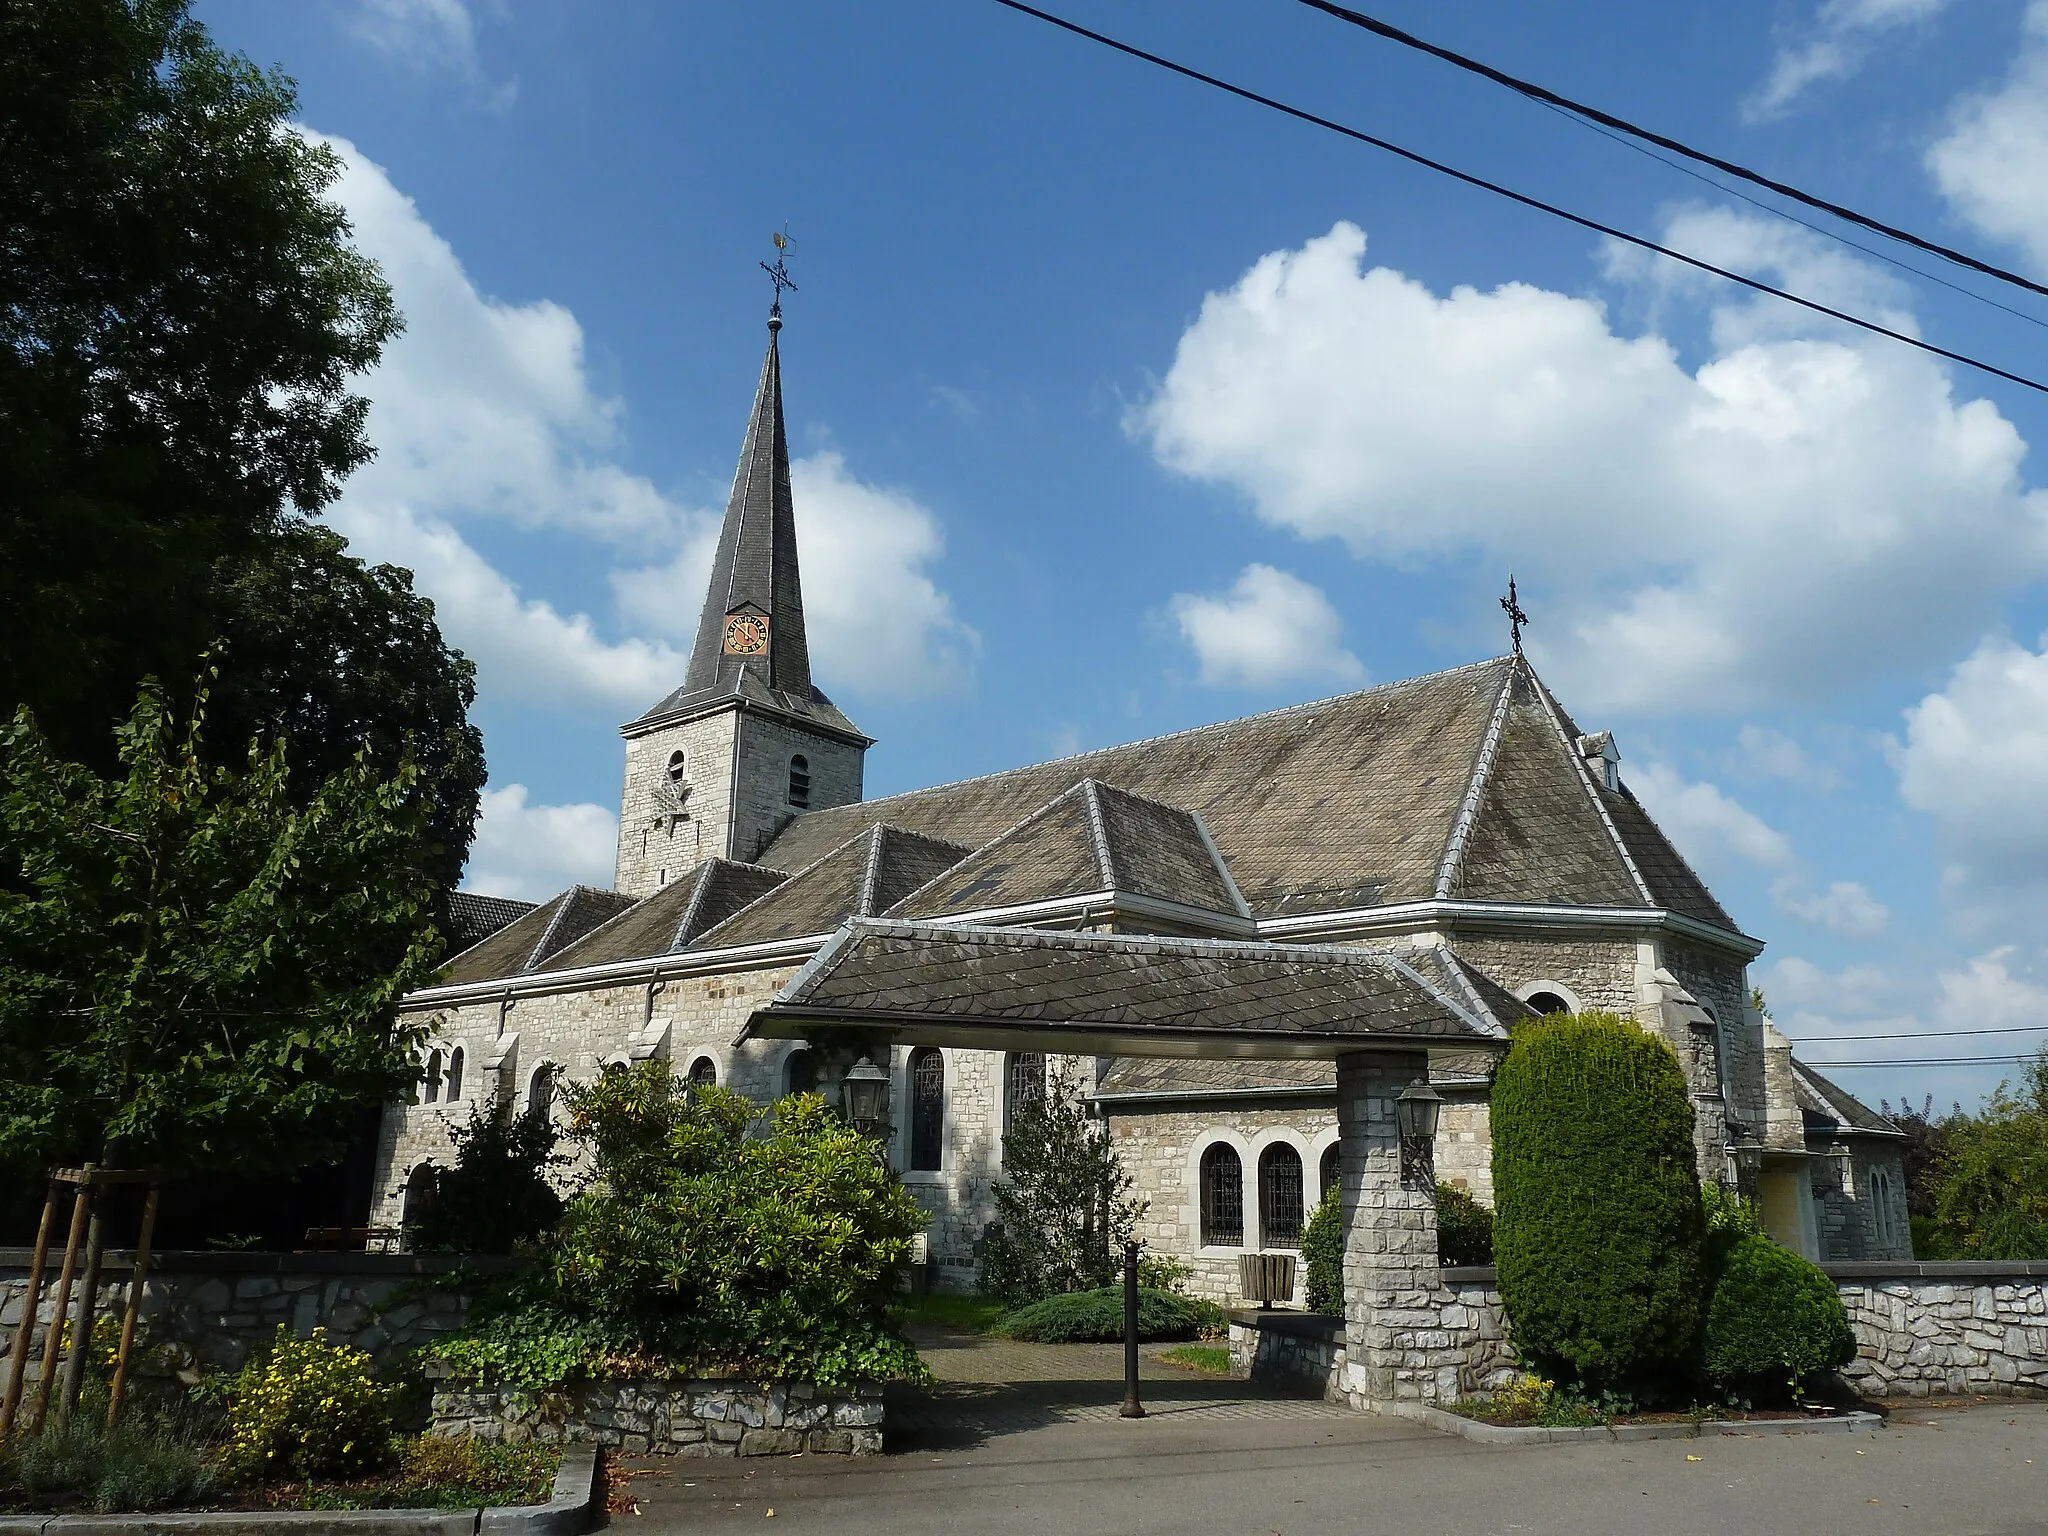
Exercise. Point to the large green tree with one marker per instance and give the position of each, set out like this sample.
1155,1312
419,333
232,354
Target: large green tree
1990,1180
196,963
181,314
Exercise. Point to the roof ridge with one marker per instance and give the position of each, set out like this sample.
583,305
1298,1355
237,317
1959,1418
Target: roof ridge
700,888
974,853
1147,741
1098,829
871,873
1243,907
1475,786
1554,713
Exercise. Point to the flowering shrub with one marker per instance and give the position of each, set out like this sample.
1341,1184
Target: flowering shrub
306,1409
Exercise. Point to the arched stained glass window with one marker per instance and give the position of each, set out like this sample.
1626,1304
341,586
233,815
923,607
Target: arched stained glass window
433,1076
421,1186
703,1072
927,1109
1222,1197
540,1092
1024,1083
1280,1213
1547,1002
1332,1170
455,1074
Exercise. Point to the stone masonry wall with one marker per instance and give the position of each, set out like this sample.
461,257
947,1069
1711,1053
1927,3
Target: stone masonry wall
761,805
1927,1330
1721,983
652,842
677,1418
1599,971
211,1309
1466,1314
1161,1148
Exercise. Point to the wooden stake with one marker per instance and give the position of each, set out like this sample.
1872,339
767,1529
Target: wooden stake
25,1333
81,1204
135,1284
86,1314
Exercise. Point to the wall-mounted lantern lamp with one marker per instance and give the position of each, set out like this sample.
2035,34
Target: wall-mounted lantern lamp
866,1087
1415,1113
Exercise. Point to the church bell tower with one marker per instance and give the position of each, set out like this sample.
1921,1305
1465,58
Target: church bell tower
748,742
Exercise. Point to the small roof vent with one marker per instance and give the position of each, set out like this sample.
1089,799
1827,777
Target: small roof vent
1603,757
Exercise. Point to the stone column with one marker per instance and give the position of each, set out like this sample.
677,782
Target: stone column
1401,1341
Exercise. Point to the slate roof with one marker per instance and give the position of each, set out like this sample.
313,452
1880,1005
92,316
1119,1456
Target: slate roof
1162,1074
1465,784
673,916
1828,1109
472,917
754,571
867,874
1090,838
526,943
1175,991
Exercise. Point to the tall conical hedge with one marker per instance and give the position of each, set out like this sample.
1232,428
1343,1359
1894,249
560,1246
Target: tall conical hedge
1598,1231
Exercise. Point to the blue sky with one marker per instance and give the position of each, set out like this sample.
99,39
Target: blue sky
1122,406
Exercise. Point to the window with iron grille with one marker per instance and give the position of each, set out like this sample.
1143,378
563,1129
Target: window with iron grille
927,1109
800,781
703,1072
1026,1074
1332,1170
1280,1196
1222,1197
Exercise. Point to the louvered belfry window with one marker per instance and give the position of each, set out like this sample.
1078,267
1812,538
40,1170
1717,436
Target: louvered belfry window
927,1109
1280,1202
800,782
1222,1197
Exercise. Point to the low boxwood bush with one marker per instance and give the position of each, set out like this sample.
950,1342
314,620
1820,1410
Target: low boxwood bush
1776,1323
1098,1317
1599,1235
1464,1227
305,1409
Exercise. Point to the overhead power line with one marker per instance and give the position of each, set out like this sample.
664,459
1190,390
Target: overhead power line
1929,1061
1919,1034
1549,97
1414,157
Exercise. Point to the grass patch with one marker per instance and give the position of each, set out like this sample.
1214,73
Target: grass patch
1214,1359
949,1309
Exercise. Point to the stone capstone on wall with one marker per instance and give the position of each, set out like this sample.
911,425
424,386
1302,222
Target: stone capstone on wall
689,1417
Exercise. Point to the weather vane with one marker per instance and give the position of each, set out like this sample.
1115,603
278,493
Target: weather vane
1516,618
779,274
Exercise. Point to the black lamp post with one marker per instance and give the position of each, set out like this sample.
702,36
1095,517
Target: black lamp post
1415,1113
866,1086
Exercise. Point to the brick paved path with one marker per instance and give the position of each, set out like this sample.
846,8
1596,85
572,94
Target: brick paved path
988,1387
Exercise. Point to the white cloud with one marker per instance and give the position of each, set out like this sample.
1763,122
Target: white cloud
1705,540
1270,627
1705,823
1992,163
1986,994
535,851
1774,754
1834,46
878,623
429,34
1845,907
1975,758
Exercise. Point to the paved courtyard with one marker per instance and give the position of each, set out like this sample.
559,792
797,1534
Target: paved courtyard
1026,1438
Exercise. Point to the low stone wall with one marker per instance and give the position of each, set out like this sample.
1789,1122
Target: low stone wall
1287,1349
212,1308
1925,1330
679,1418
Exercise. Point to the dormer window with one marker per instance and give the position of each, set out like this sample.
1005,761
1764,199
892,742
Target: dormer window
800,782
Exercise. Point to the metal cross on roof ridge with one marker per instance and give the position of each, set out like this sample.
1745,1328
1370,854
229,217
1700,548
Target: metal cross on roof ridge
1516,618
779,274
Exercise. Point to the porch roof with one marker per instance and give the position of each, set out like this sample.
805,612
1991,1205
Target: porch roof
1134,994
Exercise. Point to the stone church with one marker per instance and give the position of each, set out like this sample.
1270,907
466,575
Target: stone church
1191,928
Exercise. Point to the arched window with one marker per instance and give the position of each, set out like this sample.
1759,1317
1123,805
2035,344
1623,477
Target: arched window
1222,1197
703,1072
927,1109
540,1092
1881,1205
800,782
1331,1173
455,1074
1023,1083
800,1071
1280,1212
677,769
1547,1002
433,1076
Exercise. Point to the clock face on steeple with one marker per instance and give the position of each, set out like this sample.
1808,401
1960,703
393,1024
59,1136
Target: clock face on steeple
746,634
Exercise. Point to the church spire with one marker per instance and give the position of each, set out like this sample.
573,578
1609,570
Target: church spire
753,618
